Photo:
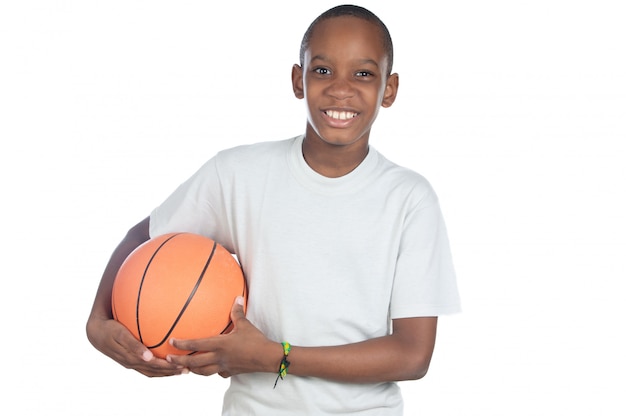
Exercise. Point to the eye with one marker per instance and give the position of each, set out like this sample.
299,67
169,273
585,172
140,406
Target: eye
321,71
363,74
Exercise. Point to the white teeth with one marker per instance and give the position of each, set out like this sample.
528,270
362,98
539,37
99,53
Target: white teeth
340,115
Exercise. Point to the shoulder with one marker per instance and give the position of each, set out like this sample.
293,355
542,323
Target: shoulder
254,153
247,159
407,182
235,161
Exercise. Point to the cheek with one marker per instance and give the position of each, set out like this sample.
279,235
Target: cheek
312,95
312,89
380,92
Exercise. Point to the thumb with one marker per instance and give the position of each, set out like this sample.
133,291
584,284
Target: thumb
237,312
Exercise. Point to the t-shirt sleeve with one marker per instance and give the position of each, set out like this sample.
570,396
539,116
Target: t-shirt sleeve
425,280
193,207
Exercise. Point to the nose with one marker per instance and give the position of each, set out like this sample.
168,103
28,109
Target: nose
340,88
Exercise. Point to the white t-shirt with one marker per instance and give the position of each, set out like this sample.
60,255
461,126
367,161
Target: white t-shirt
329,261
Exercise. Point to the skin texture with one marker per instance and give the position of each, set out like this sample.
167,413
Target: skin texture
344,72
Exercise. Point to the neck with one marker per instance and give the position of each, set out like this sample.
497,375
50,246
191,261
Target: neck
333,161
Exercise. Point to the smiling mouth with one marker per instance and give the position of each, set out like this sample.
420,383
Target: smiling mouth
340,115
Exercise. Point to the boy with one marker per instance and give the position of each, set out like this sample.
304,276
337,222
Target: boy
345,253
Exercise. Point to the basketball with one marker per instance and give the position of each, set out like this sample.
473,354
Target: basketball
179,285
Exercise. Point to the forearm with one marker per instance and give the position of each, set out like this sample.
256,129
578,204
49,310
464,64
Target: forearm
404,355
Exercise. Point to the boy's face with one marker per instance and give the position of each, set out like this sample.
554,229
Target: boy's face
344,80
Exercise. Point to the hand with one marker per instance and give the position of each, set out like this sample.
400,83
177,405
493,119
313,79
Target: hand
115,341
244,350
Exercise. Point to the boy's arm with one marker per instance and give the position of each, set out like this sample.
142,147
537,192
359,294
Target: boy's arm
403,355
109,336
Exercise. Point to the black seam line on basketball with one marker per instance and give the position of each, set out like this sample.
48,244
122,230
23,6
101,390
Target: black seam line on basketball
191,295
230,322
145,271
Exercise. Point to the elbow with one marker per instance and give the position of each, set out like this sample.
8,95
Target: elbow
415,368
415,345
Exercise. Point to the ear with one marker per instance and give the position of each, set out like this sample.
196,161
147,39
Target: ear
391,90
297,81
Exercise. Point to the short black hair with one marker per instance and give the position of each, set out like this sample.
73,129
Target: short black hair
355,11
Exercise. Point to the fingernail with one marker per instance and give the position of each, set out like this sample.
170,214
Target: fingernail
185,371
147,355
239,300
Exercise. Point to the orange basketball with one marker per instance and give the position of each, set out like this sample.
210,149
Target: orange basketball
178,285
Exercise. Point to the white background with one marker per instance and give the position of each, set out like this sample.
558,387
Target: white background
514,110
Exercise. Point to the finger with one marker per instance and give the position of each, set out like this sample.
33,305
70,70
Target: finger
192,360
156,367
147,355
203,364
131,345
161,368
201,344
130,353
139,350
144,361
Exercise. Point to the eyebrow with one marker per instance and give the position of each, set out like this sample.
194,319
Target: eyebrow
364,61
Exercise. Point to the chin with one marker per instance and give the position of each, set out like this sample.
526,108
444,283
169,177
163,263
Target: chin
344,139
